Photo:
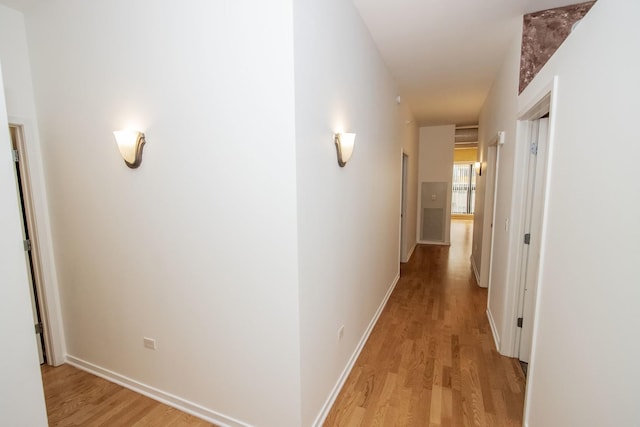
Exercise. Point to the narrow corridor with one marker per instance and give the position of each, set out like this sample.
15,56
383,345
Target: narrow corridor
431,359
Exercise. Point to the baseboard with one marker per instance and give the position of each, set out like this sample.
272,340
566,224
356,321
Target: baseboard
347,370
429,242
475,272
215,417
408,257
494,331
155,394
413,248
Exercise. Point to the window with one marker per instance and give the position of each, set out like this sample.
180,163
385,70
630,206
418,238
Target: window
463,196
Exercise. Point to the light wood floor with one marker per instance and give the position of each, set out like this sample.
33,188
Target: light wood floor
431,359
77,398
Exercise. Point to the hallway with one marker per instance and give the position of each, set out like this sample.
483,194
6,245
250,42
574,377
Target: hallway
431,359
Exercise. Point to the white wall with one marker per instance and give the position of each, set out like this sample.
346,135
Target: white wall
21,395
197,247
436,164
21,110
348,217
583,369
499,114
584,362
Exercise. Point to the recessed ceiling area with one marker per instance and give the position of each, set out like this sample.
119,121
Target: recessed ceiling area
445,54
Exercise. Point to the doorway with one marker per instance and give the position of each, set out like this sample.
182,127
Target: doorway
463,189
463,180
532,229
30,240
489,218
403,209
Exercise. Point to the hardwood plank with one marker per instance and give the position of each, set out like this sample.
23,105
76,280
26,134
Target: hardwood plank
77,398
431,359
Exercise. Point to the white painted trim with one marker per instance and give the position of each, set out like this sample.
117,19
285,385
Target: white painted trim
494,331
553,101
56,348
324,411
413,248
428,242
404,199
530,108
475,272
499,140
155,394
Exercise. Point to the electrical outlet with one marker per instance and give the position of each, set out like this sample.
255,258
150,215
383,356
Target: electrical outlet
340,333
149,343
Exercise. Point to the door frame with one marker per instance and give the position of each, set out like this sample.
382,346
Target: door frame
529,109
492,170
32,175
532,222
29,233
541,106
493,156
545,100
404,188
475,172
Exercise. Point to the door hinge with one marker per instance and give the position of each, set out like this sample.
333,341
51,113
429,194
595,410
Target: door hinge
527,238
39,329
16,156
534,148
519,322
27,245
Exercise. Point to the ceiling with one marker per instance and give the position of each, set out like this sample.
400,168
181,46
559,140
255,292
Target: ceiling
444,54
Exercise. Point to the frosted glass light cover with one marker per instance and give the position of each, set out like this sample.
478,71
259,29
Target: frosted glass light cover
130,144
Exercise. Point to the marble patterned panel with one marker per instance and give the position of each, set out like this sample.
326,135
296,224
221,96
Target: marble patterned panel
542,34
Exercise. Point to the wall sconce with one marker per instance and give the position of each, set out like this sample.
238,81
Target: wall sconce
344,146
478,167
130,144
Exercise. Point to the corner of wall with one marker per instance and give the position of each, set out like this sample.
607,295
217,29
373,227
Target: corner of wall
21,110
494,330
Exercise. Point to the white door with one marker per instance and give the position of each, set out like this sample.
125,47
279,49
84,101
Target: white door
534,200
